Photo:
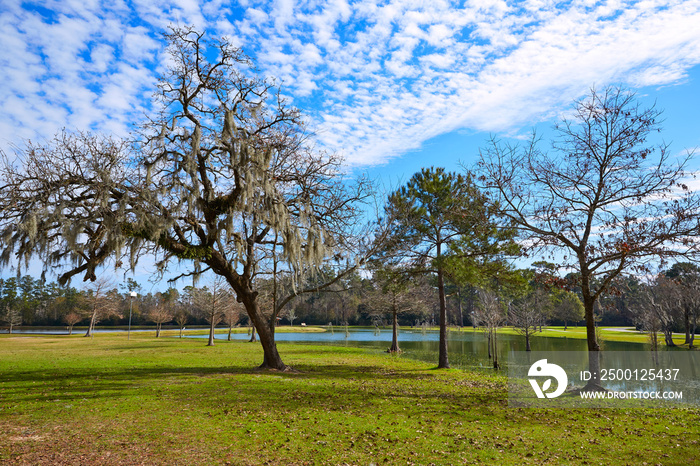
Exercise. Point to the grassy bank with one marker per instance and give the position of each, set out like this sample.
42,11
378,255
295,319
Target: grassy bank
623,334
73,400
628,334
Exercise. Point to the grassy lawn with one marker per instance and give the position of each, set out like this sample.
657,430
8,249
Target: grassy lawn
625,334
75,400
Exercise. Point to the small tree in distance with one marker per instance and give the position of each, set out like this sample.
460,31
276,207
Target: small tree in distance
160,314
568,307
604,199
232,315
490,314
72,318
686,276
528,313
103,302
291,315
11,316
393,296
181,318
212,303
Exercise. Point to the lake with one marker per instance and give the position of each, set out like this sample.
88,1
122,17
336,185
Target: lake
467,348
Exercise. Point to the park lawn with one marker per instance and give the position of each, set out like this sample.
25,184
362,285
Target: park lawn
606,334
75,400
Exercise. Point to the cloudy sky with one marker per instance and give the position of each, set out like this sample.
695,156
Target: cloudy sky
379,80
392,85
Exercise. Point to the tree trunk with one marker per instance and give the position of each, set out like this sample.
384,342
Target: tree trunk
668,336
527,341
266,332
157,330
181,332
654,346
271,358
212,326
496,364
593,347
692,333
230,329
70,330
91,327
488,341
395,336
459,306
253,338
443,362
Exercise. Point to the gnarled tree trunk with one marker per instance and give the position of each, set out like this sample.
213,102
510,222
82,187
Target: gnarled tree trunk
266,333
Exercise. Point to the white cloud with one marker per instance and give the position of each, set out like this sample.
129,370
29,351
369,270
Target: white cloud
377,78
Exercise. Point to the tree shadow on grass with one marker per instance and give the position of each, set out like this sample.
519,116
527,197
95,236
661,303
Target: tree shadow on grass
332,385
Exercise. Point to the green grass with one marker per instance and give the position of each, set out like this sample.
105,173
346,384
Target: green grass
606,334
75,400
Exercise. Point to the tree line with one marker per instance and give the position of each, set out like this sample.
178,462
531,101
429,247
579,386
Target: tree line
667,303
223,176
26,301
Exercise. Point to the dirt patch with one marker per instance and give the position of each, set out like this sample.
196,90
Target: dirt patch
27,438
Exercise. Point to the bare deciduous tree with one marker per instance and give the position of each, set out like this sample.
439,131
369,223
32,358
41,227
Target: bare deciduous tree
102,301
11,316
396,294
182,316
232,314
490,314
663,304
291,315
160,314
655,311
686,275
528,313
604,198
212,303
72,318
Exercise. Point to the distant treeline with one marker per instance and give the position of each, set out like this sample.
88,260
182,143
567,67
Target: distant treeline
665,305
355,301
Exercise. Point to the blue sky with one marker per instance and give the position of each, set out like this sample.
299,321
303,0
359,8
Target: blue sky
393,85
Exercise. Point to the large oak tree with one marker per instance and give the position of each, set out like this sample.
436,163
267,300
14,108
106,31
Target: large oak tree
220,177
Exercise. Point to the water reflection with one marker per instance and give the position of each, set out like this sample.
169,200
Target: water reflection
467,348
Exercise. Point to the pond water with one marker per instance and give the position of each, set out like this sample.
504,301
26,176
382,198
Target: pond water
76,330
466,348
